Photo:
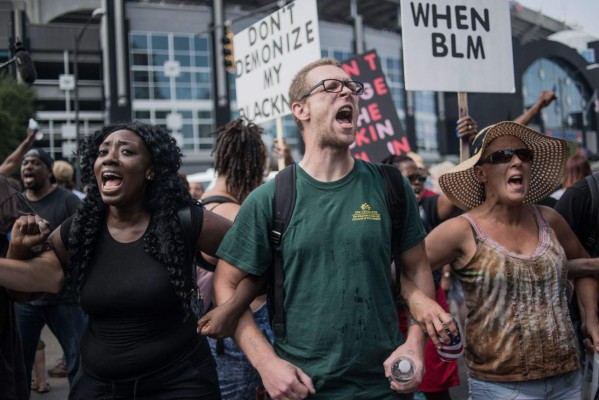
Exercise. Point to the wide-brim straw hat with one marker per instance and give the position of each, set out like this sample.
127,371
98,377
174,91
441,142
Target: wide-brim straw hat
463,188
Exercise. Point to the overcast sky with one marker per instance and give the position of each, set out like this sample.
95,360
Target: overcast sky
582,12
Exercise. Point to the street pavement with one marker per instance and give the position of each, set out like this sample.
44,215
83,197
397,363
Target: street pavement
59,387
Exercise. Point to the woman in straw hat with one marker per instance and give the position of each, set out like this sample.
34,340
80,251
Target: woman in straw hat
512,258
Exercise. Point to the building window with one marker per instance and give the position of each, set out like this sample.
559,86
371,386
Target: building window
425,118
393,71
171,73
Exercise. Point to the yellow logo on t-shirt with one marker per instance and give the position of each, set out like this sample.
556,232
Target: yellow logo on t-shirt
366,214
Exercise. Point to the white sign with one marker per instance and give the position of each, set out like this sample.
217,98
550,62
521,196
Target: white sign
68,131
172,68
68,149
66,82
174,121
457,45
269,53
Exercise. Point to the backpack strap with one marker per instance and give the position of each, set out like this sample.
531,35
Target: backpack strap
217,199
591,241
190,234
283,205
396,203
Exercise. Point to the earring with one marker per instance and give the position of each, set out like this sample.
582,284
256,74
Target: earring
149,177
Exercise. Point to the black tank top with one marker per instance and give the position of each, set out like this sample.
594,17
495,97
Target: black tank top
135,319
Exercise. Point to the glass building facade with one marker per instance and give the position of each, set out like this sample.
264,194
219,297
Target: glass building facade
171,79
172,86
567,116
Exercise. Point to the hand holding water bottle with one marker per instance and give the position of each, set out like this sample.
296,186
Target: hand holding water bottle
405,366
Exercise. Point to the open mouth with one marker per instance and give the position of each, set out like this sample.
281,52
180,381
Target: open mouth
111,181
516,181
27,177
345,116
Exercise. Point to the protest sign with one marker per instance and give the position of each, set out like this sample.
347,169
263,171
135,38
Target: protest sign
379,129
267,56
457,45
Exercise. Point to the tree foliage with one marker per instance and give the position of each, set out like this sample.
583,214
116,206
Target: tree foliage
17,105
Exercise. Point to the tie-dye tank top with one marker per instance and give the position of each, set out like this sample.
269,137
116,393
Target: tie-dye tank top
518,326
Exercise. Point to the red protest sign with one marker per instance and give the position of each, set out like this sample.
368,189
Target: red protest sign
379,129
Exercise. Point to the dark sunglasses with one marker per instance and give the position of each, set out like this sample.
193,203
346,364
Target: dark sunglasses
336,86
505,156
417,178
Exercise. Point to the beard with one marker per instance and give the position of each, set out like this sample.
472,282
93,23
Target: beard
329,138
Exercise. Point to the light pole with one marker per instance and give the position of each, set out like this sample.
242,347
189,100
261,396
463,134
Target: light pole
98,12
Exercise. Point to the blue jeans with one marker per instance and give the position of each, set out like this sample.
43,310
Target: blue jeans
560,387
237,378
66,323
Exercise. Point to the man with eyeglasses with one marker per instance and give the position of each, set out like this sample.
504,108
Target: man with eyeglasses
342,331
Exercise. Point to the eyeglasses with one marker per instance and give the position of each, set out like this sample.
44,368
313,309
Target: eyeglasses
336,86
505,156
417,178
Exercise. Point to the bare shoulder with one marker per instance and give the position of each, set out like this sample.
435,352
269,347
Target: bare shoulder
452,242
454,225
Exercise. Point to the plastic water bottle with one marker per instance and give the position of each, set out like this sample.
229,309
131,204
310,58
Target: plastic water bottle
402,370
35,127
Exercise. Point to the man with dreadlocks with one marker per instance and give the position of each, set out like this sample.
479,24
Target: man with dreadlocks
239,161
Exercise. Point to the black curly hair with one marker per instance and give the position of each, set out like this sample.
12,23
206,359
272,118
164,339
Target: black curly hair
240,156
165,196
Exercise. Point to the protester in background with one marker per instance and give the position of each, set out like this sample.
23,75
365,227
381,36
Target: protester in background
576,206
577,167
196,190
339,343
512,259
131,257
60,312
11,164
422,172
239,160
63,174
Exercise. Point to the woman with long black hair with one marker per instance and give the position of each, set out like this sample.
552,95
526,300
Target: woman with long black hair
132,258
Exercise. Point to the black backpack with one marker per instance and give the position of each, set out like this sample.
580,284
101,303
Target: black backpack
283,205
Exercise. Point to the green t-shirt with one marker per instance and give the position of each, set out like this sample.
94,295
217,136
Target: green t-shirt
341,318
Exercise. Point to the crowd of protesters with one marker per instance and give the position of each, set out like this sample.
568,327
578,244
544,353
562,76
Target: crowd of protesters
165,282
